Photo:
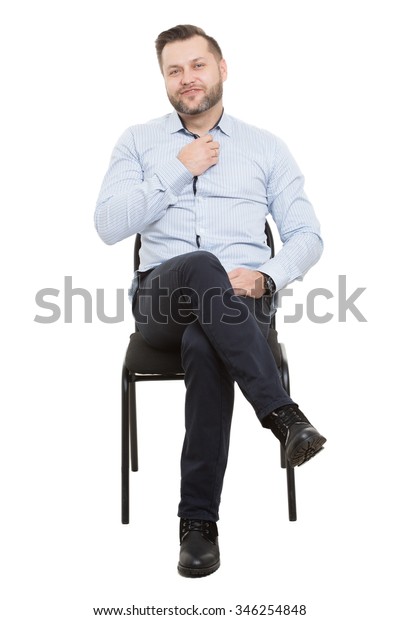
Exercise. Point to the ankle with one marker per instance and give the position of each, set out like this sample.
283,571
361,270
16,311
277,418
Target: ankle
283,418
207,528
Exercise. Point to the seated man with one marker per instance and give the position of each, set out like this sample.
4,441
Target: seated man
197,184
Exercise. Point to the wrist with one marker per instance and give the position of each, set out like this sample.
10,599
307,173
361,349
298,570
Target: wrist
268,285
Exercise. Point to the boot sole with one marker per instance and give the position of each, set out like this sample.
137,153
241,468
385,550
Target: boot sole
198,572
306,450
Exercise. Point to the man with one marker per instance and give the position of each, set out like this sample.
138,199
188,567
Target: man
197,185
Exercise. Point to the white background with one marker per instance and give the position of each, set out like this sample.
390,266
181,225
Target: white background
324,77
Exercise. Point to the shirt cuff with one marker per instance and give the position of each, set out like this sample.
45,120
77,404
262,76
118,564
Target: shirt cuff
174,176
274,269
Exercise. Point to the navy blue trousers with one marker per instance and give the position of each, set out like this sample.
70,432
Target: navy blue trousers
188,303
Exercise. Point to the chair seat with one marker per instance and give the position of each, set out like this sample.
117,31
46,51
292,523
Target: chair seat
142,359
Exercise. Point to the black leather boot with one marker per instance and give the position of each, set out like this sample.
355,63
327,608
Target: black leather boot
199,554
299,438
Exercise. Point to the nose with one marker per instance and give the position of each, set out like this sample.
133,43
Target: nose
187,76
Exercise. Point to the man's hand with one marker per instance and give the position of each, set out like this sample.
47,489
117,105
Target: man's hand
247,282
199,155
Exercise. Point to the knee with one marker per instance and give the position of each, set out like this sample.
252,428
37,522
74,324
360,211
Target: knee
205,268
202,258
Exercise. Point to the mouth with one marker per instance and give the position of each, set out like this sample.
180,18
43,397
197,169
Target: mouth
192,91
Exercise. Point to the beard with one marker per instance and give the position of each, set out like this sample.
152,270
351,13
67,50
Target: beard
209,100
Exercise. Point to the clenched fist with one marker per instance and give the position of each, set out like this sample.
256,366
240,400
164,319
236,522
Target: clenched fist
200,155
247,282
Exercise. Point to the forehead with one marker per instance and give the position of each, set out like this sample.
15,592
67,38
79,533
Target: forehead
182,52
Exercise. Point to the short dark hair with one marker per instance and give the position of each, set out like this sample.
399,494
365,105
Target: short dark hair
181,33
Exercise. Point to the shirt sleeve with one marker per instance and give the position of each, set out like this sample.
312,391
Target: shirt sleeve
127,202
295,219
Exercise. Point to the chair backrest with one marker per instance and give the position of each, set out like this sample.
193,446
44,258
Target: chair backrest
270,238
138,243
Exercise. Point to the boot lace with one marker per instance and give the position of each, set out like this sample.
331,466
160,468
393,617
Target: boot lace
194,525
284,419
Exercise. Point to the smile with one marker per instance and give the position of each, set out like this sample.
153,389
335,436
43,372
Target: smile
192,91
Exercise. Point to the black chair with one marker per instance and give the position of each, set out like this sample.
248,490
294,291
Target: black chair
144,363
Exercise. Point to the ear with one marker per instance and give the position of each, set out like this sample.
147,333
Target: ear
224,69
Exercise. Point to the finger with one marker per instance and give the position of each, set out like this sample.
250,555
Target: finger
239,291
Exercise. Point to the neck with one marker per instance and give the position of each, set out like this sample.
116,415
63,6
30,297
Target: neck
201,123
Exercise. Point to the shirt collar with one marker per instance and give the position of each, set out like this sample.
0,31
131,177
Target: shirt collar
174,123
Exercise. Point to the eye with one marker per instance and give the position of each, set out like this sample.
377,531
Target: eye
199,65
173,72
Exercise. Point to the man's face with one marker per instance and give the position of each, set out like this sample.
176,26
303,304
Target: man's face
193,76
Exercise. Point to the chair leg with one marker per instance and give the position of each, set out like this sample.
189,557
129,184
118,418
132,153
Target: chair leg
283,457
133,426
125,446
291,487
291,490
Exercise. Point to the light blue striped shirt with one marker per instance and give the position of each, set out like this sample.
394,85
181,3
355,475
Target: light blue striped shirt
147,190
